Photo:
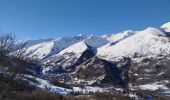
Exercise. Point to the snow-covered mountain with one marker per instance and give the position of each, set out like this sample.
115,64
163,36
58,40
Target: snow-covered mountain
45,47
131,61
70,55
98,54
64,42
149,42
65,51
78,48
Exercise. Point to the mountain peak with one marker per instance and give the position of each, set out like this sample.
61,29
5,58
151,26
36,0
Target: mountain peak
105,36
166,27
120,36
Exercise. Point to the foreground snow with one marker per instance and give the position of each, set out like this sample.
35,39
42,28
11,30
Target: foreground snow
153,87
88,89
44,84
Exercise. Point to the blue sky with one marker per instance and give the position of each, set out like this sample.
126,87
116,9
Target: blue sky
34,19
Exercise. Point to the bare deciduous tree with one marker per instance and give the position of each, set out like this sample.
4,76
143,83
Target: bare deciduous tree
6,43
13,58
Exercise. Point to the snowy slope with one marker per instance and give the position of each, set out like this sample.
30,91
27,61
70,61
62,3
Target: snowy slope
166,27
95,41
44,84
40,50
120,36
115,38
151,41
35,42
64,42
77,49
70,55
44,48
30,43
80,47
65,58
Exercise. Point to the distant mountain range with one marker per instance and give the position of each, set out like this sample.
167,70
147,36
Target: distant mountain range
137,60
149,42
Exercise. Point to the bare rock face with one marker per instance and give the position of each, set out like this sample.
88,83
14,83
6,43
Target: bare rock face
100,71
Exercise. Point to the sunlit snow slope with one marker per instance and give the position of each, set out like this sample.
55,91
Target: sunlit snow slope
151,41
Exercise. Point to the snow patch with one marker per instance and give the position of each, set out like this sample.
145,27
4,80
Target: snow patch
88,89
153,86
